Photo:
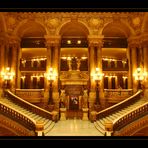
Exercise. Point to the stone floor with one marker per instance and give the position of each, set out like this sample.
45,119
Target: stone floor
74,127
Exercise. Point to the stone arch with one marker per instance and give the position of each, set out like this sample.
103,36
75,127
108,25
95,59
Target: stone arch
145,24
77,25
122,28
30,26
2,23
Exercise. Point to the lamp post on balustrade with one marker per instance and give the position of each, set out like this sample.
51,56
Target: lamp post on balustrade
140,75
97,77
7,77
51,76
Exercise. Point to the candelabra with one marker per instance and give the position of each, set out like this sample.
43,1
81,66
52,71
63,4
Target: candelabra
97,77
51,76
7,76
140,75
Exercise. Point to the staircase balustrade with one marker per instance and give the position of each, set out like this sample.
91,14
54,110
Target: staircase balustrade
29,106
130,116
18,116
119,105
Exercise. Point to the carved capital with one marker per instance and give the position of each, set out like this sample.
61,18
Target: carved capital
53,41
144,40
95,41
14,41
134,42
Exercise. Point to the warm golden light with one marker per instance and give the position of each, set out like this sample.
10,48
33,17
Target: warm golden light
140,74
68,41
7,75
79,42
51,75
97,76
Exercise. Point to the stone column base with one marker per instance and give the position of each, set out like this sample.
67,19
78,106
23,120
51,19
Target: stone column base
93,116
85,113
62,114
55,116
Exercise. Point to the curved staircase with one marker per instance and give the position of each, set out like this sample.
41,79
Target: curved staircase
24,108
108,122
121,114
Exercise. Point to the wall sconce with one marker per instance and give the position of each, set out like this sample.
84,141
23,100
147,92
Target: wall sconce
97,77
7,76
140,75
51,76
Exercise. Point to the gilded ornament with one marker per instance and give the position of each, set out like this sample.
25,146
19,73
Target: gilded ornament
136,21
53,23
95,22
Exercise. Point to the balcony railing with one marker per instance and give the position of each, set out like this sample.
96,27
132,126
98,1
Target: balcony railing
31,95
119,105
28,65
117,95
17,116
29,106
130,116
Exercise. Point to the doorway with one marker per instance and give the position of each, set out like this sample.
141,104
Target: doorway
74,103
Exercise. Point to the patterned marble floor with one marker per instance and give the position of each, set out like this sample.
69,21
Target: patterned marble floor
74,127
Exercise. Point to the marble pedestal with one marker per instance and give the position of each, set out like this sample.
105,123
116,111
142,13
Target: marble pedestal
85,113
62,113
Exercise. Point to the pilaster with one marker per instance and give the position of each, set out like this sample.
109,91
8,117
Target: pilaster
133,45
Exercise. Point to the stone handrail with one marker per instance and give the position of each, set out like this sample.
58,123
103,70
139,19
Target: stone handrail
18,116
130,116
29,106
132,127
119,105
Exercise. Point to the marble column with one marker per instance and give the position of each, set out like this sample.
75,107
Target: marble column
92,93
48,65
2,63
145,62
134,67
18,73
13,66
128,52
92,67
99,65
53,60
56,71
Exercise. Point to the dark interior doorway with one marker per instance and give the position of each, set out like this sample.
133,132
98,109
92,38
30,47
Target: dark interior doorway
74,103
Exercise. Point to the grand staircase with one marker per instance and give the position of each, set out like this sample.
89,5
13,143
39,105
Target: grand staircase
121,114
7,102
107,122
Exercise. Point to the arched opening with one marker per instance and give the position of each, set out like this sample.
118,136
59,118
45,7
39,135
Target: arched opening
73,62
33,58
114,59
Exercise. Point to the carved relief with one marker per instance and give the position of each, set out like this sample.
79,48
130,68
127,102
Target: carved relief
74,75
96,22
85,99
52,23
135,20
63,99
